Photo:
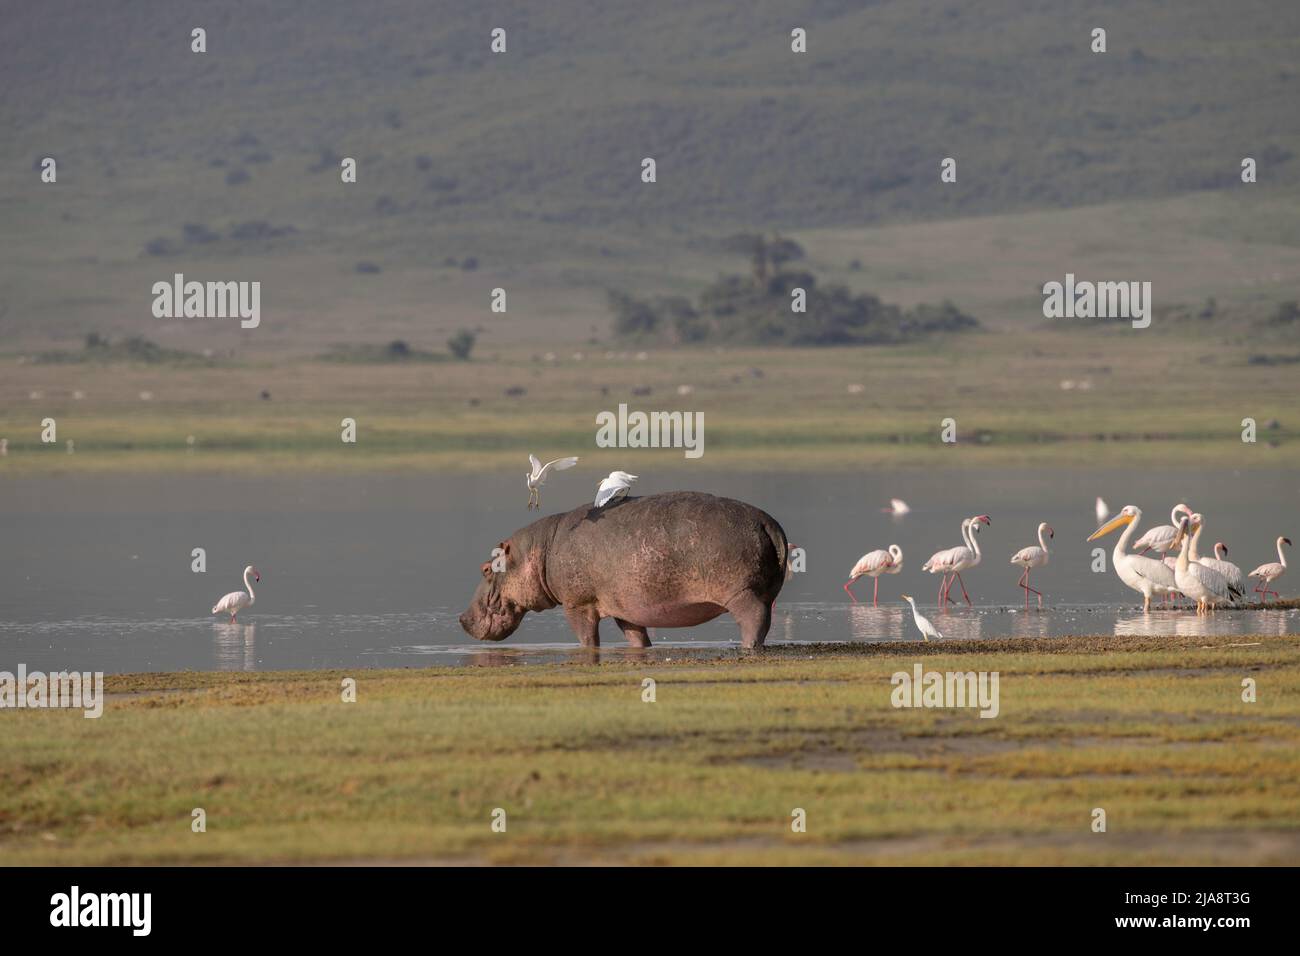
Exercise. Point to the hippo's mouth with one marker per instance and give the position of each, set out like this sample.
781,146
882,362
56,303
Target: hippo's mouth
494,625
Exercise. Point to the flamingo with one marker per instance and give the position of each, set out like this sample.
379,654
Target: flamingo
1268,573
1236,579
536,477
1145,575
939,561
1161,537
923,623
1102,509
897,507
236,601
956,560
1205,585
873,565
614,487
1034,557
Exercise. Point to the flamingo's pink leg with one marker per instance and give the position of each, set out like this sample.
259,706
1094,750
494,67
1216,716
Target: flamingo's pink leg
963,589
875,592
849,590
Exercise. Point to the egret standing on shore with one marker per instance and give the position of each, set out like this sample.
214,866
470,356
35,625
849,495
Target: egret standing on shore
923,623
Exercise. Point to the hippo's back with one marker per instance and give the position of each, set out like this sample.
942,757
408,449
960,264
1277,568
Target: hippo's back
683,546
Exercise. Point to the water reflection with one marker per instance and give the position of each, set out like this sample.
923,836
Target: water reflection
867,623
234,646
1189,624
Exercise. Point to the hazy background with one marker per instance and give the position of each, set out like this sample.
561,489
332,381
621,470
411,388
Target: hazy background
1125,165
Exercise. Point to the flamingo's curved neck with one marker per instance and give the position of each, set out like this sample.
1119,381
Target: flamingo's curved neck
248,584
974,541
965,532
1173,516
1041,543
1280,556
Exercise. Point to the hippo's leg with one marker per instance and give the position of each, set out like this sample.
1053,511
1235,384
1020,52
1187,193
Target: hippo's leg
635,634
585,622
754,615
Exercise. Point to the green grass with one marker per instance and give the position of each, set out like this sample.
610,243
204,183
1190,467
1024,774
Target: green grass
1157,399
1153,731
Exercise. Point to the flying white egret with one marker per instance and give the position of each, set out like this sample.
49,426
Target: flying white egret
897,507
614,487
1034,556
873,565
1268,573
536,477
1145,575
1102,509
1207,587
236,601
1161,537
923,624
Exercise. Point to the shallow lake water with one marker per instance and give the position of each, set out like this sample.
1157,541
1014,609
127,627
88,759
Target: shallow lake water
373,570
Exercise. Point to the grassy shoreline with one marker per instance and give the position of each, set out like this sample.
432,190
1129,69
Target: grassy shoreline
1153,730
1130,401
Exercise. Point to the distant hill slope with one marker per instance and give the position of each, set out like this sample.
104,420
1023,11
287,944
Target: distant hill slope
534,155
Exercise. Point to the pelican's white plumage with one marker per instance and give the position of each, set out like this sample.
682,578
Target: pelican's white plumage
872,565
923,624
1268,573
536,476
236,601
1206,586
1145,575
614,487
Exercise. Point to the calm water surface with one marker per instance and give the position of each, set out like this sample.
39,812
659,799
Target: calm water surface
373,570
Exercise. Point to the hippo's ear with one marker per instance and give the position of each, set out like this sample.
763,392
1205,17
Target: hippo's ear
505,548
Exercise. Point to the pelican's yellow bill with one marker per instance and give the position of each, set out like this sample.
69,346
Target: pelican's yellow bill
1116,522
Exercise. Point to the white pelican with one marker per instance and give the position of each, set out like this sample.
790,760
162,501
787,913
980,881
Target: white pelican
1102,509
536,477
1235,591
1268,573
236,601
923,624
1161,537
1034,556
956,560
1236,579
1145,575
1206,586
613,487
897,507
873,565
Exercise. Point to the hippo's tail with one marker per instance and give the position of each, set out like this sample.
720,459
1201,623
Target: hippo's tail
782,544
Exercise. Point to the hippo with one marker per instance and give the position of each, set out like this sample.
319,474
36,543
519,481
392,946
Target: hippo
676,559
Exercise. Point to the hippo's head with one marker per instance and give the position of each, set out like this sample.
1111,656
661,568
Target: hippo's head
491,615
